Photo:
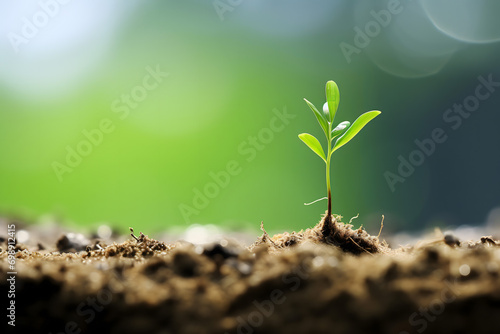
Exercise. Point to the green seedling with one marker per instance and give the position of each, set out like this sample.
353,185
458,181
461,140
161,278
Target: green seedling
343,133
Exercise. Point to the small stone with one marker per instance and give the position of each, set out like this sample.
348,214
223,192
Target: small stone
72,242
451,240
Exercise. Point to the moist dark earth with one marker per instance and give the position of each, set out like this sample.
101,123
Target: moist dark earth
312,281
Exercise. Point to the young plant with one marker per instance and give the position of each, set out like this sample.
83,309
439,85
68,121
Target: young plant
343,133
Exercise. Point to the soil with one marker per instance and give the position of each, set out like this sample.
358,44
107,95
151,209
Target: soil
327,279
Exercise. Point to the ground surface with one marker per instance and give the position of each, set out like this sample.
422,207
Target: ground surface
288,283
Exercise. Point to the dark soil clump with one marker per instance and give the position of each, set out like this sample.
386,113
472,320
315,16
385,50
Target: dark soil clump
329,232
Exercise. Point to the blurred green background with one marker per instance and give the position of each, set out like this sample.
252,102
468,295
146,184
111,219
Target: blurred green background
222,72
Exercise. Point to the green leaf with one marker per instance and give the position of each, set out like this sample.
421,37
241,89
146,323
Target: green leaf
319,116
313,144
332,98
340,129
358,124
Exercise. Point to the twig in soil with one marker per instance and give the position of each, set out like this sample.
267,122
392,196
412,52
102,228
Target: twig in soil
132,234
266,236
381,226
360,246
448,238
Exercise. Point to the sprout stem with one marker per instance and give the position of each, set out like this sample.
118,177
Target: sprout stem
328,158
327,224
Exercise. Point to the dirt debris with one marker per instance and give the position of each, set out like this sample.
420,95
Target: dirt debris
299,282
337,234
